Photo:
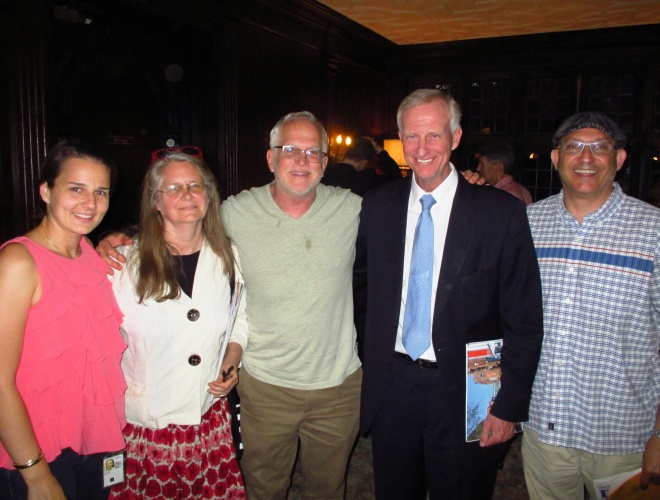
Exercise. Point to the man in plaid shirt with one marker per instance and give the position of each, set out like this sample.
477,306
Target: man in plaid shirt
594,408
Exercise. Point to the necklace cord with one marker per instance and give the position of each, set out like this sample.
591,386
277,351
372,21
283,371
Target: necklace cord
75,254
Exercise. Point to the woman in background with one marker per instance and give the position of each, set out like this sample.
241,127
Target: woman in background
175,290
61,386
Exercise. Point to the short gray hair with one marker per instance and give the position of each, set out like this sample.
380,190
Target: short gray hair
424,96
298,115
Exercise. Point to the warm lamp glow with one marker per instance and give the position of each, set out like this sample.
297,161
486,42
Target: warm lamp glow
394,148
532,156
338,145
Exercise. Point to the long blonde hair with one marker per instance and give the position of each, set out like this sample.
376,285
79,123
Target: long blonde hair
153,264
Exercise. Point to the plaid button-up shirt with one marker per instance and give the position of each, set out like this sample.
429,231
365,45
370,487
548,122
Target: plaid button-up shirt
598,382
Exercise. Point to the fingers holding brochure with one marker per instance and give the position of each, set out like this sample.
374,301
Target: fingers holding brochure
227,379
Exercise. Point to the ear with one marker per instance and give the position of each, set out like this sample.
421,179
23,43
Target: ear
44,193
456,138
324,164
554,157
270,158
621,156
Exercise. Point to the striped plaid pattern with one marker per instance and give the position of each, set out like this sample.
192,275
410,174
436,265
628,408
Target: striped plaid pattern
598,382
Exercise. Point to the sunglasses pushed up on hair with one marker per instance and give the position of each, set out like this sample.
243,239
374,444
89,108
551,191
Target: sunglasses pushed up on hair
188,150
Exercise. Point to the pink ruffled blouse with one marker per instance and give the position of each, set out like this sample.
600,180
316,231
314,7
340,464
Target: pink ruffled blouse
69,375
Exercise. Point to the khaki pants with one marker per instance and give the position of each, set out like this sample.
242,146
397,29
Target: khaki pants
555,472
274,418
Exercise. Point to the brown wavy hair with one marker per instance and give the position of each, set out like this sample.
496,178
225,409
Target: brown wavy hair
152,263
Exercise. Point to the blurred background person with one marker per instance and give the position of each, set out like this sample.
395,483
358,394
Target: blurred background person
496,162
365,166
175,292
61,386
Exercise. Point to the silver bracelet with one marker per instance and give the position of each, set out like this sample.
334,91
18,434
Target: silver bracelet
655,432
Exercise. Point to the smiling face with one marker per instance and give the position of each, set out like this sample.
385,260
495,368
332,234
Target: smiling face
297,178
587,179
428,142
79,196
184,207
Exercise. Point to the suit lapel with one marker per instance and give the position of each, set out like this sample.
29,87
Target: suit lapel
460,233
397,232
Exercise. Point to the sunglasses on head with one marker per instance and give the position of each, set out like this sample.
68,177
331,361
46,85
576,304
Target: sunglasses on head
188,150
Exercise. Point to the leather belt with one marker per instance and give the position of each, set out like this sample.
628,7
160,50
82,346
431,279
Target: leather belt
422,363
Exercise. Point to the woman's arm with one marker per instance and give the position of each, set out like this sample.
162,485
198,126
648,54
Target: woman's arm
20,288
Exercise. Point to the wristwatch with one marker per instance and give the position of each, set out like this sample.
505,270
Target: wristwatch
655,432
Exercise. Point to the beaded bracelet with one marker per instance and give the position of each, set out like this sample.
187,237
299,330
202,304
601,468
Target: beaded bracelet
31,462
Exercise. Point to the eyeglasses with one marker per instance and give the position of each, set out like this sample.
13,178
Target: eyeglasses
177,189
292,152
600,148
188,150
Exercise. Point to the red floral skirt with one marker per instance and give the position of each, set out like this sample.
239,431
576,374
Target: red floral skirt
182,461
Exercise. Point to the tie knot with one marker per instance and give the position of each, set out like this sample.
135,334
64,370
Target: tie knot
427,202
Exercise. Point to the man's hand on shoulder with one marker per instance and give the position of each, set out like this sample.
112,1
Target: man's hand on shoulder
495,431
108,252
473,177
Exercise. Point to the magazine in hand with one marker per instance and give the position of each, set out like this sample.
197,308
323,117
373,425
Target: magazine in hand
233,311
483,374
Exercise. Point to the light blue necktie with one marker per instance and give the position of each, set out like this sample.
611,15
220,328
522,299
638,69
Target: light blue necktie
417,316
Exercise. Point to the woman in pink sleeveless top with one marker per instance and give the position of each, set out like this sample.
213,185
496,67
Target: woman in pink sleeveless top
61,386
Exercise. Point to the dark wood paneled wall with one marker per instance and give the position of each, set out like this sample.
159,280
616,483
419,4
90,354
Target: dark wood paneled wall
220,74
23,132
213,74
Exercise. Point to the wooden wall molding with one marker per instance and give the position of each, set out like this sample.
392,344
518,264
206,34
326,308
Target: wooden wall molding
27,108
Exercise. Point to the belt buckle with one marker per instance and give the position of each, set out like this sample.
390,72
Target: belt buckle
420,362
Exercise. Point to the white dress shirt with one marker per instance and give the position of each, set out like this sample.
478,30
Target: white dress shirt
444,197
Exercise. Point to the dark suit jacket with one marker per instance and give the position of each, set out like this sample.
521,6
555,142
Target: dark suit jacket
489,288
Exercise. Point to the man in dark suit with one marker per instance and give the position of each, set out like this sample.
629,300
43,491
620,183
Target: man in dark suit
478,280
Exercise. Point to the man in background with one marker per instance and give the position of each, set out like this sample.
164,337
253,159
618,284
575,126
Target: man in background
357,171
496,163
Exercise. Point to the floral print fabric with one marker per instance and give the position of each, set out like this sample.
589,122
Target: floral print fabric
182,461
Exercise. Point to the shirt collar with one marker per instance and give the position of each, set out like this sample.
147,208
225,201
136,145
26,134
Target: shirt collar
606,210
445,191
507,179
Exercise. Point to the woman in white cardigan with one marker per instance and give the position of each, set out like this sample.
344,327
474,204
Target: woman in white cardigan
175,293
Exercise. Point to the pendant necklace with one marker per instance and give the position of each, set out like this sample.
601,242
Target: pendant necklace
75,254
